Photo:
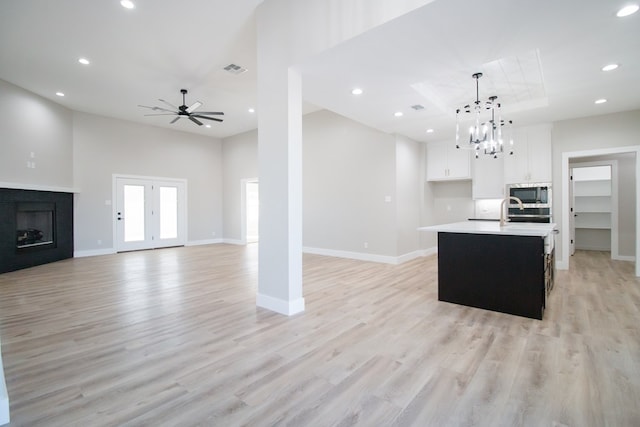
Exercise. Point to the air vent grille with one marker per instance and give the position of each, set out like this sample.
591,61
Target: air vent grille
235,69
418,107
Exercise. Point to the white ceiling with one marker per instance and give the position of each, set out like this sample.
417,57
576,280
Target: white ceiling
542,59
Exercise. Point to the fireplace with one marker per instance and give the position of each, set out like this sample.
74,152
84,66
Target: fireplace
37,228
34,224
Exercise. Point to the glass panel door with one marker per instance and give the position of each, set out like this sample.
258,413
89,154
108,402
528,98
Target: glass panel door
134,212
149,214
168,212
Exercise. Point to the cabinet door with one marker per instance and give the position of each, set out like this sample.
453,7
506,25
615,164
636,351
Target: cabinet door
516,165
488,177
446,162
436,161
531,158
458,162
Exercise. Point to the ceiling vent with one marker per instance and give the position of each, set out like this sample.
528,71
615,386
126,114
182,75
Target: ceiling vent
418,107
235,69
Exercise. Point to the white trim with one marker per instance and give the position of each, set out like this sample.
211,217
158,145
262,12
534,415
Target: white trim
613,164
564,224
430,251
18,186
350,255
204,242
233,241
625,258
385,259
94,252
4,396
243,208
288,308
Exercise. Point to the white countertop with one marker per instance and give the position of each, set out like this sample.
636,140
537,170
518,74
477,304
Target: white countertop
493,227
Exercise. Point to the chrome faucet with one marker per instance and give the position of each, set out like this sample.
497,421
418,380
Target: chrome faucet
502,221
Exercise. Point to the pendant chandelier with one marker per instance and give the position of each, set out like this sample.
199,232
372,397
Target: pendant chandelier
485,135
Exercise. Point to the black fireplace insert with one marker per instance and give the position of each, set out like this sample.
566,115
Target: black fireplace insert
36,228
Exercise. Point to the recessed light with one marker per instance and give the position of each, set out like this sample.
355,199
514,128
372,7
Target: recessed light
207,126
429,130
84,61
356,91
627,10
610,67
252,110
398,114
59,93
127,4
601,101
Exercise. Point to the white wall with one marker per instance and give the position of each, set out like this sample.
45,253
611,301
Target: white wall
348,170
105,146
409,173
240,160
627,206
32,124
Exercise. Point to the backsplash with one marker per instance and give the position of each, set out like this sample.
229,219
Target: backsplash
487,208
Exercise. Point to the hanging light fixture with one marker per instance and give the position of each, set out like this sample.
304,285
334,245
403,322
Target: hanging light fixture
485,135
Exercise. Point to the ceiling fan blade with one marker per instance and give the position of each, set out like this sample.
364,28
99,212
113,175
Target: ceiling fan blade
215,113
196,121
161,114
169,104
174,120
195,105
205,117
157,108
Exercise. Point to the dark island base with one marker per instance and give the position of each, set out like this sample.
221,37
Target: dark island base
502,273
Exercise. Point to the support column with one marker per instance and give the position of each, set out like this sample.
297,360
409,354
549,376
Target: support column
280,156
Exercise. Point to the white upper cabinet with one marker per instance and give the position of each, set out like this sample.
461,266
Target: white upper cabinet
447,163
531,159
488,177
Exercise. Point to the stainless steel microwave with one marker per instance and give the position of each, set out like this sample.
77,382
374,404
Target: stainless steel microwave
534,195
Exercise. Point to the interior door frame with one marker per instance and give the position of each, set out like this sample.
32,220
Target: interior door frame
243,207
182,209
564,223
614,200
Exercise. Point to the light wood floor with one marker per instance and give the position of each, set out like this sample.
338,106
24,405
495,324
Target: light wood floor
173,337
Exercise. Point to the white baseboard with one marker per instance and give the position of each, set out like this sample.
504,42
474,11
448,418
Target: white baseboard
562,265
4,397
624,258
288,308
94,252
203,242
385,259
233,241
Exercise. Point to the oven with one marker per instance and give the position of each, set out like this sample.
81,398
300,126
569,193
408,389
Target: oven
536,200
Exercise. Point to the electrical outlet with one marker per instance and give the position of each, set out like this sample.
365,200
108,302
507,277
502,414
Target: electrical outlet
213,234
99,242
366,245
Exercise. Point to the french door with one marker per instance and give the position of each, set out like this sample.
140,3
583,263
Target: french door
149,213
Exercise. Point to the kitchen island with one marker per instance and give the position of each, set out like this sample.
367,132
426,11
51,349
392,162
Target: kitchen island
505,268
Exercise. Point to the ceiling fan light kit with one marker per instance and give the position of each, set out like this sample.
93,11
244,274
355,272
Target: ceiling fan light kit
484,135
183,111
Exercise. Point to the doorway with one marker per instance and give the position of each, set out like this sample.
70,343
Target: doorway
149,213
250,211
632,203
594,204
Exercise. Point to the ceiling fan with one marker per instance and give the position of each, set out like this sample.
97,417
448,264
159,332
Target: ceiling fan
184,112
